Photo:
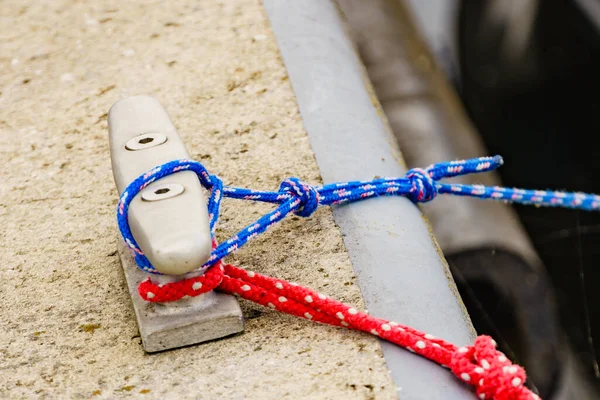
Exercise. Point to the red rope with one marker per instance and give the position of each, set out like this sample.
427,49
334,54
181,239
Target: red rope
481,365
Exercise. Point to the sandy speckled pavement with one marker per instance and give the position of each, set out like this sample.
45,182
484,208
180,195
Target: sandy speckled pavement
67,328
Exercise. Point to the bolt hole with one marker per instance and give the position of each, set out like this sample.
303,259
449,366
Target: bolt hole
162,192
145,141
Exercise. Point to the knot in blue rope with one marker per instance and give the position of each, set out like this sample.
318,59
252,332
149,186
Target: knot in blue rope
307,196
424,188
295,196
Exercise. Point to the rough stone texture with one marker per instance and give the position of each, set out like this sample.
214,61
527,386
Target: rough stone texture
66,323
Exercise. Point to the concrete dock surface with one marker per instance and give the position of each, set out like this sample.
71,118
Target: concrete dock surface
66,322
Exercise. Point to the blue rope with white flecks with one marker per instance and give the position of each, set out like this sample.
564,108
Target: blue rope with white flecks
300,198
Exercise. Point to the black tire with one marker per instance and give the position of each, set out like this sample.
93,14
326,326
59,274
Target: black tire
542,113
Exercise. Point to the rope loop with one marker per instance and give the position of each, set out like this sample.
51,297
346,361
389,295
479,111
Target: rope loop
302,199
424,188
174,291
490,372
307,195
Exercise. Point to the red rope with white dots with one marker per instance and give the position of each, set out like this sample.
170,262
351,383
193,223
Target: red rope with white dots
481,365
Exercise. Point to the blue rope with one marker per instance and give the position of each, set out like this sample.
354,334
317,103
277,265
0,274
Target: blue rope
295,196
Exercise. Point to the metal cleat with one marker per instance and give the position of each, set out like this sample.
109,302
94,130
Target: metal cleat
169,220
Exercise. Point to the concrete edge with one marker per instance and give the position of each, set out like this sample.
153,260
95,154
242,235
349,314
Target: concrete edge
400,269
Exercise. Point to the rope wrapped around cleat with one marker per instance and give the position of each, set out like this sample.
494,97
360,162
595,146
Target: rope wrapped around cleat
481,365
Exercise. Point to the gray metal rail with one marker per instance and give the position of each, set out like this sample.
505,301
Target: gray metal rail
399,266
